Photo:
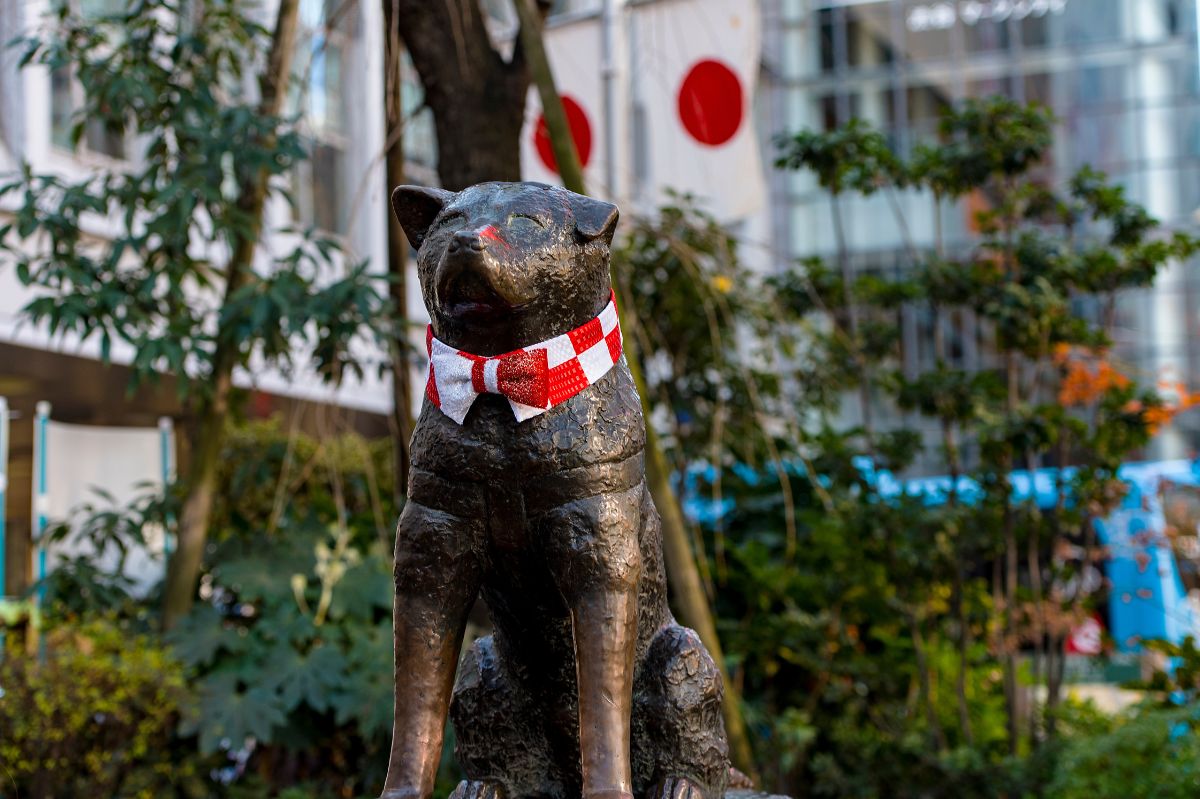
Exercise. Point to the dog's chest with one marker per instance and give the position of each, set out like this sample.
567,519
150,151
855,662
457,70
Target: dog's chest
600,425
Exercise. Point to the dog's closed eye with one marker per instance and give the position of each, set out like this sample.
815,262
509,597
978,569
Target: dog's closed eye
446,219
539,221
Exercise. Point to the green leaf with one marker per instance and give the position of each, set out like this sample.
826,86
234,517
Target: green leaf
311,678
226,716
202,635
365,589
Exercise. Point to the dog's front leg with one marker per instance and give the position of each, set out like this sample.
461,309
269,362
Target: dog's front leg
438,572
593,548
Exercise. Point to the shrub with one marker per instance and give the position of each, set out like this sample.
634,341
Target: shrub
90,718
1151,752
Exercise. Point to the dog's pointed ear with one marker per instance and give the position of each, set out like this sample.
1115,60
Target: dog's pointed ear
594,219
416,207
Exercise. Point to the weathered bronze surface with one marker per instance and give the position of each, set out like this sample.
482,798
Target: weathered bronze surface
588,687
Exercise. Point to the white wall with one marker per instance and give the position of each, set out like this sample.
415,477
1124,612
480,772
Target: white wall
25,110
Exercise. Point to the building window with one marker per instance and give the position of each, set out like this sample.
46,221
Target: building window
420,139
96,137
321,184
869,41
572,7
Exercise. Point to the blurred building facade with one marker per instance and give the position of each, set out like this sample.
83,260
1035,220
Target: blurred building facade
1122,77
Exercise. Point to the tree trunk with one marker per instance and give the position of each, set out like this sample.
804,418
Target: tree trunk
477,97
397,263
925,683
562,143
184,569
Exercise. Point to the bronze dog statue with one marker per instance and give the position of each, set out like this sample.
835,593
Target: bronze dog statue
527,486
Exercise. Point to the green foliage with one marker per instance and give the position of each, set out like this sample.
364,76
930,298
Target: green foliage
1150,752
286,665
291,652
135,253
267,469
84,585
699,313
92,717
852,158
875,636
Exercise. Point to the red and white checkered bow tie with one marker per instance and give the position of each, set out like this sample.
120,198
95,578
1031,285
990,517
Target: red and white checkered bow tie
534,379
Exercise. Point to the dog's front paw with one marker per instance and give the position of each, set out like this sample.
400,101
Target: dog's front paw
478,789
676,788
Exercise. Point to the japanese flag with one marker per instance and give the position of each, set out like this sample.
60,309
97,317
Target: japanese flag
687,74
575,59
694,71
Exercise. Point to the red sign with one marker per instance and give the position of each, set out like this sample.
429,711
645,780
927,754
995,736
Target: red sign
1087,638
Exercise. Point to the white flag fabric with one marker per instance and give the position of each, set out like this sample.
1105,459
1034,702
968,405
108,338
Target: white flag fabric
689,74
125,462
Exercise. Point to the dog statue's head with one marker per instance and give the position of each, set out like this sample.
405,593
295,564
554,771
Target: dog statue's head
506,265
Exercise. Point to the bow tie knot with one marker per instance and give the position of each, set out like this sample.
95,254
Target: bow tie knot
533,379
523,376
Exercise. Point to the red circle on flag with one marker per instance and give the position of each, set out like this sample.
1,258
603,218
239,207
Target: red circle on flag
581,132
711,102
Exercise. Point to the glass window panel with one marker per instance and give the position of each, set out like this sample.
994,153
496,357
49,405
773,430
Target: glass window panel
575,6
874,104
321,184
1100,140
61,106
826,38
871,223
501,12
925,105
985,35
420,141
326,111
801,183
795,60
869,35
1092,21
829,111
1039,29
1189,196
1189,132
328,181
1039,89
1160,20
1161,195
810,230
929,30
342,16
1158,78
100,8
1094,86
105,137
990,86
320,188
1160,131
99,136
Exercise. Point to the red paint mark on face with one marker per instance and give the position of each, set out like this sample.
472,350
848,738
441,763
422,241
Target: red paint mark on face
490,233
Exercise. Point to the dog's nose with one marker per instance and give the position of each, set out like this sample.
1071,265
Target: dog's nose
466,240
